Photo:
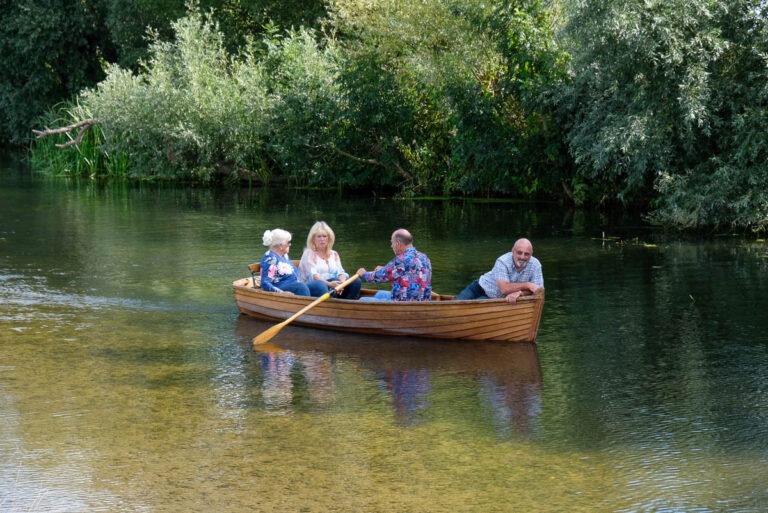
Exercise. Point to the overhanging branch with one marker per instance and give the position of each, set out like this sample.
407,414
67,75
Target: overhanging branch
82,126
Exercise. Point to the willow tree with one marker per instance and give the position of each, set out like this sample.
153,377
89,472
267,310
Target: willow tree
667,108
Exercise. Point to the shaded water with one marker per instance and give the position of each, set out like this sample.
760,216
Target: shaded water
128,382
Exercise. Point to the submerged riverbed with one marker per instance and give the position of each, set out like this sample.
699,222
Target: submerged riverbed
128,381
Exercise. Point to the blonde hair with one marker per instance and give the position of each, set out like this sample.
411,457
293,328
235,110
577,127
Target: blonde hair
274,237
320,227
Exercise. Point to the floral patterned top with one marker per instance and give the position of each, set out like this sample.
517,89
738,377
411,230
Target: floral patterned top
410,274
311,264
277,270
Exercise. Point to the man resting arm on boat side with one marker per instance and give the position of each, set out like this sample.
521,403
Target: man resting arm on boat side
517,273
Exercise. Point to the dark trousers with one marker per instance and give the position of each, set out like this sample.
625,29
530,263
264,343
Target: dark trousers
352,291
473,291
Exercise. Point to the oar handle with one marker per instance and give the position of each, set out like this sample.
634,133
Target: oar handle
338,288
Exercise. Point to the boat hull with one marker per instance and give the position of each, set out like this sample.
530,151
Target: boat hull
480,320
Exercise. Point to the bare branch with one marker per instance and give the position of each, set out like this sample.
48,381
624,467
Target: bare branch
400,170
82,126
359,159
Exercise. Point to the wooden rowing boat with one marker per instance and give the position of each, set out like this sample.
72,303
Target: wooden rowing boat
443,317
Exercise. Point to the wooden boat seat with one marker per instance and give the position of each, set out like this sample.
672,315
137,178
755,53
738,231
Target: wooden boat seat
255,275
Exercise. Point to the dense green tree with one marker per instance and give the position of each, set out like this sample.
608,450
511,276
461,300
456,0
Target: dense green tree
50,50
287,14
129,21
728,186
532,68
403,58
641,91
305,100
434,92
668,106
194,112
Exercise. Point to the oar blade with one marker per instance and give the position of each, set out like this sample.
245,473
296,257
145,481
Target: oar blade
267,335
268,348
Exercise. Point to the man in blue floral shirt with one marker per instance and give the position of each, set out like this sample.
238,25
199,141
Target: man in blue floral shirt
410,272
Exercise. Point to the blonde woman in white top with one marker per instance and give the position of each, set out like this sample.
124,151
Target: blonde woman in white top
320,267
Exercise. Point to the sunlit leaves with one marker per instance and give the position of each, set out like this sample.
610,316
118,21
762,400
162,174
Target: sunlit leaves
193,111
462,79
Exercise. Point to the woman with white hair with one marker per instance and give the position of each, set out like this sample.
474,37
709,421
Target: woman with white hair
278,274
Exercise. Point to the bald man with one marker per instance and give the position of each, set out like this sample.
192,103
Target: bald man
410,272
515,274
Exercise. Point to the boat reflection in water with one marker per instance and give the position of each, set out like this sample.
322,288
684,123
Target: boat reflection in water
304,365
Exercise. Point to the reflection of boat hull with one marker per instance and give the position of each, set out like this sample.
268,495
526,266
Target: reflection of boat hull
479,320
506,362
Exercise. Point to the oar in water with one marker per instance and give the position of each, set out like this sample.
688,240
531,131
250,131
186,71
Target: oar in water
274,330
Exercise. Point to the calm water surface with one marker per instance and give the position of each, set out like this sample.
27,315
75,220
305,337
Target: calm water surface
128,382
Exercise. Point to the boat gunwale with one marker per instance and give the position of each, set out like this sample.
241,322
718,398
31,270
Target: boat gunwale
437,299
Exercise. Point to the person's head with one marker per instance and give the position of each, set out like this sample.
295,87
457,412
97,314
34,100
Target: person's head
319,232
522,252
278,240
401,240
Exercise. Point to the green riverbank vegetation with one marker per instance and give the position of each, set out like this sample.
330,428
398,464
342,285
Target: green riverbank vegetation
655,105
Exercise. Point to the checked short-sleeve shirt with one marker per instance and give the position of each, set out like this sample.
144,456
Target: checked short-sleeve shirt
504,269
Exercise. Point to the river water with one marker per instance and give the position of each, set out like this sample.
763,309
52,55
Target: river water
128,381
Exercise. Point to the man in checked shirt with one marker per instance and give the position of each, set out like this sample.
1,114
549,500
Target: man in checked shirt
515,274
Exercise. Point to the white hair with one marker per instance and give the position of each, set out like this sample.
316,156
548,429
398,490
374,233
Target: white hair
275,237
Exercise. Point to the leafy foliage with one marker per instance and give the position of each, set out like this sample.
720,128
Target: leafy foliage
658,105
668,102
53,49
42,44
728,188
641,94
194,112
416,98
434,93
304,102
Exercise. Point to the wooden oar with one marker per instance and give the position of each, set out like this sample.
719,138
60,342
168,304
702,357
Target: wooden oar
274,330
